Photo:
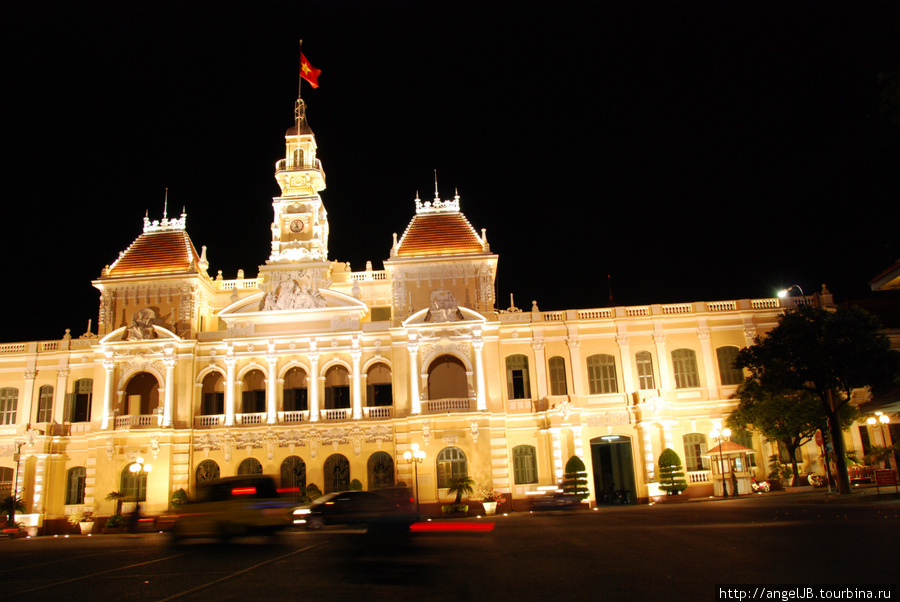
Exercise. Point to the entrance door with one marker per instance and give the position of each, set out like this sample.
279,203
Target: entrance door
613,466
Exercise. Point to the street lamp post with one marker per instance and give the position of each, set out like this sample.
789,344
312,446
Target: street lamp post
883,419
415,457
138,468
720,437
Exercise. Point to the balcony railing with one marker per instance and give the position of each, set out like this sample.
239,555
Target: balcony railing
137,420
698,476
378,412
436,406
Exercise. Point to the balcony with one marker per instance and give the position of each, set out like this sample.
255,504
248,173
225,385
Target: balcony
130,421
441,406
289,417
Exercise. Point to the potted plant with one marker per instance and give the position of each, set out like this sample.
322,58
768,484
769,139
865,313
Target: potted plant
489,498
459,486
9,506
179,497
83,520
114,524
575,479
671,474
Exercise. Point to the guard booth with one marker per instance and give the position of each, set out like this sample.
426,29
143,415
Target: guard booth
734,461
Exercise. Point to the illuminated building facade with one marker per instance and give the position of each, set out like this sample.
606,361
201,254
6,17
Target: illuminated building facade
319,374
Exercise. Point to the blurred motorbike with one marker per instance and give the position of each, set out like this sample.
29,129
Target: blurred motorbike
759,486
817,480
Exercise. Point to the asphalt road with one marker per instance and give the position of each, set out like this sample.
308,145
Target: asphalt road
670,551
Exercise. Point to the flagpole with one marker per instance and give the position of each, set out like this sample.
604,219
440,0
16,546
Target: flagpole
298,108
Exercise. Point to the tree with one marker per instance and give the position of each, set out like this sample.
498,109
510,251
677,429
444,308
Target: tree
575,478
9,506
118,497
671,475
828,354
788,417
461,486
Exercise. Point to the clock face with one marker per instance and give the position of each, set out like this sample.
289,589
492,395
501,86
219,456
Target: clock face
297,225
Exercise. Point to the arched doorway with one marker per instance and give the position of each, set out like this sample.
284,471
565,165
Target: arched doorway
141,395
447,379
612,461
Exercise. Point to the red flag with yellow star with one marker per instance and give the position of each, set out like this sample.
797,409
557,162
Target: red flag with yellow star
308,72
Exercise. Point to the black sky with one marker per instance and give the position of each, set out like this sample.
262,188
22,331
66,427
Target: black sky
692,150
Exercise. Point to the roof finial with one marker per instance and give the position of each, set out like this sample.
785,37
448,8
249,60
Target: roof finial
437,196
166,203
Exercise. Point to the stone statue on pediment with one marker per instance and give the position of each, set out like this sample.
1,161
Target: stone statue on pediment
141,327
443,307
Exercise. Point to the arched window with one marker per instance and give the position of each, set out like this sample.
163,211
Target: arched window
644,362
695,452
557,369
337,388
45,404
684,365
447,379
79,401
524,464
141,394
517,382
296,391
729,374
602,374
381,470
293,474
207,471
378,386
298,158
249,466
213,395
133,485
253,394
451,465
337,473
75,485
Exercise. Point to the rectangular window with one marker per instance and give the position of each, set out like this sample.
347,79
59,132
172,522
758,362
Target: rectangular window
295,400
684,363
602,374
213,404
9,400
558,385
45,404
644,362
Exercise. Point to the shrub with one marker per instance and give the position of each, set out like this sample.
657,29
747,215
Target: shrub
179,497
313,492
355,485
575,479
671,475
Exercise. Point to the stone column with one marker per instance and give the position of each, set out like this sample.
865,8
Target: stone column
708,364
271,381
665,378
574,344
169,404
59,396
415,400
625,358
480,394
646,429
540,368
230,363
27,406
355,381
313,383
556,446
109,365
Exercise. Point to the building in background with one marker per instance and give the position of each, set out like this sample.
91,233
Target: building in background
319,374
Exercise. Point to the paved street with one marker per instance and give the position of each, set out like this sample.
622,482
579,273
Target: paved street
675,551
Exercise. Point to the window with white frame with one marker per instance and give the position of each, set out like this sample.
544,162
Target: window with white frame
524,464
695,452
684,366
134,485
9,400
75,478
517,377
602,374
644,362
451,465
557,369
45,404
728,373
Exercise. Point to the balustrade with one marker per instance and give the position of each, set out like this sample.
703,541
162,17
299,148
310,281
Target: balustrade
433,406
698,476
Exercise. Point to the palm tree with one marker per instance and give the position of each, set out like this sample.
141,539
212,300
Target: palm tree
119,497
460,486
9,506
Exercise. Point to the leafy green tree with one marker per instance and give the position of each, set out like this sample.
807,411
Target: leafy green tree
828,354
575,478
461,486
118,497
671,473
788,417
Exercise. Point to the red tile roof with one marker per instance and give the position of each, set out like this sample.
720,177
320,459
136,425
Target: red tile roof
157,253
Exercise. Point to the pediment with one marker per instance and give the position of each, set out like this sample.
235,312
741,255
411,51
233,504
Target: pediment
331,304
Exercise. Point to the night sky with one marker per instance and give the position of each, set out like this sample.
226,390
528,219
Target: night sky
691,150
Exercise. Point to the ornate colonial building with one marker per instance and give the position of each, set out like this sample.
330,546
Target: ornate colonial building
318,374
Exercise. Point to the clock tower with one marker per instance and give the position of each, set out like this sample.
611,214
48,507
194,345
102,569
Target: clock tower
300,224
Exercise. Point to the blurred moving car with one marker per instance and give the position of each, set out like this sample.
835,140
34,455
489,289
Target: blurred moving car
387,507
555,501
233,507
